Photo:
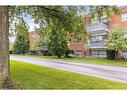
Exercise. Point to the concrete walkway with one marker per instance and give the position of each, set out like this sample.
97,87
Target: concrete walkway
103,71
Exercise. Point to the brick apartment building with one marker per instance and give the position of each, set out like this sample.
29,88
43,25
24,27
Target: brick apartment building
98,32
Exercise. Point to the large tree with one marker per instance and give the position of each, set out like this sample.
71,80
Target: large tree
21,45
58,43
41,14
117,40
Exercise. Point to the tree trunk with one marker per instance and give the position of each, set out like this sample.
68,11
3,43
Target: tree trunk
4,44
119,55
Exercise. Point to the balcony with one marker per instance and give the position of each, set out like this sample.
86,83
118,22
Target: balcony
96,45
97,26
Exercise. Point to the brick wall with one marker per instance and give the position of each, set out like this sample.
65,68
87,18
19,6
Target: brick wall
77,46
116,20
32,37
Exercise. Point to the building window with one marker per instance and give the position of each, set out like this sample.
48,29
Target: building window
124,17
98,53
96,38
102,53
104,20
94,53
99,38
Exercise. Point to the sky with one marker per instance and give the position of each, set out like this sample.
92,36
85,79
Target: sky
30,23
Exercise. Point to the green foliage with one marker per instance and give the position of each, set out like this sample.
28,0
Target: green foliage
111,54
21,45
100,11
58,43
59,20
55,38
117,39
69,17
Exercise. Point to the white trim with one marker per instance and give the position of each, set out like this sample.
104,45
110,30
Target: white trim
99,29
98,47
98,34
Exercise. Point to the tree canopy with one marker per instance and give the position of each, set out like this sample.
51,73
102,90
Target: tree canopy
117,39
100,11
21,45
70,17
58,43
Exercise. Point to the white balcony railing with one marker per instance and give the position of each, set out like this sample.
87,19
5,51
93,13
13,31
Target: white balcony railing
96,45
97,26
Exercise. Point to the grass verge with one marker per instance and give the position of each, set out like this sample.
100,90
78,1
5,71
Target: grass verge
31,76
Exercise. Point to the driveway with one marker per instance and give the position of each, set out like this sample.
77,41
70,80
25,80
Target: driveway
102,71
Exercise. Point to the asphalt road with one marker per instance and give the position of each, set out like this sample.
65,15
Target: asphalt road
114,73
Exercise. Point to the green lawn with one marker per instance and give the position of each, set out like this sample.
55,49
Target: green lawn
88,60
30,76
98,61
